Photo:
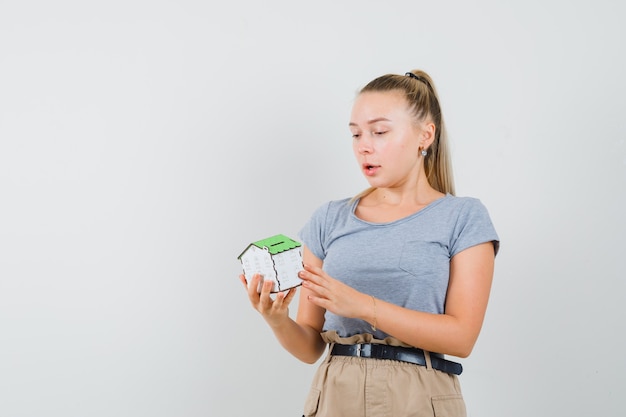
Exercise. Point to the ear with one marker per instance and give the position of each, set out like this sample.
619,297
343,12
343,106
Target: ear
427,135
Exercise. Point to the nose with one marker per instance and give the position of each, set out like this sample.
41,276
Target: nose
364,146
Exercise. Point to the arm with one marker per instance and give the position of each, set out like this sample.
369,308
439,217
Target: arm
455,332
301,337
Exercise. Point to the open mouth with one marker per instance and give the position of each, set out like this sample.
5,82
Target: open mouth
370,168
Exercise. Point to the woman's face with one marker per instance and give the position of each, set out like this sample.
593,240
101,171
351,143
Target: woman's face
386,139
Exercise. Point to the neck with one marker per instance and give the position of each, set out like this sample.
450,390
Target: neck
417,195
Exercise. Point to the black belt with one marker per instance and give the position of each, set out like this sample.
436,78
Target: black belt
396,353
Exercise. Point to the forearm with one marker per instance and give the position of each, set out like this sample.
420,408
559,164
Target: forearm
452,333
302,341
440,333
455,332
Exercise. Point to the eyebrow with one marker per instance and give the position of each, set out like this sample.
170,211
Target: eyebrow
371,122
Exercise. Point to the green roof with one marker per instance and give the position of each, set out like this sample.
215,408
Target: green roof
275,244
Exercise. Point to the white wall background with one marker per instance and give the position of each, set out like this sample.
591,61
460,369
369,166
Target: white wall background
143,144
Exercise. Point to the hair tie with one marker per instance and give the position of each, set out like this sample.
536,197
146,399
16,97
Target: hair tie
410,74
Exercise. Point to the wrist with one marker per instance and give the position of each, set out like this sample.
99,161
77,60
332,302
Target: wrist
276,323
374,320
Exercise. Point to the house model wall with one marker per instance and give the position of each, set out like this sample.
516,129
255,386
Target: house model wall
277,258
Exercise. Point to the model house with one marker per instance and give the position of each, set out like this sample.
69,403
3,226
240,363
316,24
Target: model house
277,258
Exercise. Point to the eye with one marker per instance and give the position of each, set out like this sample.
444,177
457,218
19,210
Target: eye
355,135
380,132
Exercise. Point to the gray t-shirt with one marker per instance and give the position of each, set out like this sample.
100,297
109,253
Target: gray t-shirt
405,262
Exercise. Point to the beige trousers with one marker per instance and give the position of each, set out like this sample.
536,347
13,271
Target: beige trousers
354,387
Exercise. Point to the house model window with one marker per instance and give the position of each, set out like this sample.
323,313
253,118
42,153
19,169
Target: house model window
277,258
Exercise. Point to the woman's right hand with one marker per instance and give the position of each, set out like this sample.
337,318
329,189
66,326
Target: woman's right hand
274,310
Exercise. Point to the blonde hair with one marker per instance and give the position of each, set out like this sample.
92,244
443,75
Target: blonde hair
419,91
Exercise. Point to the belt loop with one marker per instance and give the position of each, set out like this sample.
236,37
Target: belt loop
429,364
330,350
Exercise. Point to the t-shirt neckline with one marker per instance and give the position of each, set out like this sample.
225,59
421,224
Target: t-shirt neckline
428,207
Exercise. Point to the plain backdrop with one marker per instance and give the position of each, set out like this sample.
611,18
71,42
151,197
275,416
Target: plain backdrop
144,144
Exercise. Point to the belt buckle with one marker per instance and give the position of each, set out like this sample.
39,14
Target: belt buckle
359,349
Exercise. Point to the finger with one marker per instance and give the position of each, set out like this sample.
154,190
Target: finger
252,288
279,301
310,276
283,298
266,289
290,295
319,301
314,269
243,280
315,286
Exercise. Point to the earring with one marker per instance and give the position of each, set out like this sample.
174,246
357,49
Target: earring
424,153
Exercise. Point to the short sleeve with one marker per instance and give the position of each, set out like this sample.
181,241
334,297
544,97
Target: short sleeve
313,232
473,227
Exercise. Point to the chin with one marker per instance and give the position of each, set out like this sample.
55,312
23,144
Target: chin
377,184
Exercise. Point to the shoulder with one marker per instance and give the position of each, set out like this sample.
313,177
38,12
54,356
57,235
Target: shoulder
334,208
317,232
472,223
462,204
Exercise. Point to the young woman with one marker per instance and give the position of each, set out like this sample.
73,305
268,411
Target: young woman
394,278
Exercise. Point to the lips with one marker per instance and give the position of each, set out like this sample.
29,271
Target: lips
370,169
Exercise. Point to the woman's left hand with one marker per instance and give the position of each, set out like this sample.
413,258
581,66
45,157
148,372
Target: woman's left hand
333,295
